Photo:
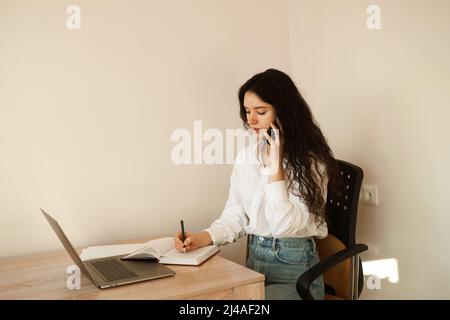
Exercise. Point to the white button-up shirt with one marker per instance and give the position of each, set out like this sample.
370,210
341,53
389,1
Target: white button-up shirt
257,207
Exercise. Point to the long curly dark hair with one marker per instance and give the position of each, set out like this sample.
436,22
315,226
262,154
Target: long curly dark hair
305,147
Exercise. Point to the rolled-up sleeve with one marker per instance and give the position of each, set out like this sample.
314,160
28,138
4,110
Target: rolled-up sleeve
286,213
229,227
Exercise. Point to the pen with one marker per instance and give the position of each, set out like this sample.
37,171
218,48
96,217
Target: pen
183,235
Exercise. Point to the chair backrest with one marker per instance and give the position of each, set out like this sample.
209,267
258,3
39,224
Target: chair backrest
342,207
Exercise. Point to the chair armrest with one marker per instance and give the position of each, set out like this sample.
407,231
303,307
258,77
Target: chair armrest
305,280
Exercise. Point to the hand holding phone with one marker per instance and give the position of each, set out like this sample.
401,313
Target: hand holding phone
269,131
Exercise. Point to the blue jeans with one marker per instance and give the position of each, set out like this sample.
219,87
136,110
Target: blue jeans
282,261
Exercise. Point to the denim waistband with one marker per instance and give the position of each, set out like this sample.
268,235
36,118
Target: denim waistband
281,242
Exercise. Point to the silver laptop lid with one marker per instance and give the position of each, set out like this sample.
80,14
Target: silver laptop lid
66,243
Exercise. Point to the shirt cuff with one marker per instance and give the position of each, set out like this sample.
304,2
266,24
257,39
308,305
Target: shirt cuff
215,234
276,191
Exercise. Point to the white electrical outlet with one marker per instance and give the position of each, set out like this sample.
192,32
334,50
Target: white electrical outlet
369,195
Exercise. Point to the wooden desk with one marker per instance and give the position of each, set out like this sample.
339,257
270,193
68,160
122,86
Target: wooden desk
43,276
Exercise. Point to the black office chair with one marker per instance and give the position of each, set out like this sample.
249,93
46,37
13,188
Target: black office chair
339,263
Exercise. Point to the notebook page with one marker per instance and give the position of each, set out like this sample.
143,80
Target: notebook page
194,257
156,247
162,245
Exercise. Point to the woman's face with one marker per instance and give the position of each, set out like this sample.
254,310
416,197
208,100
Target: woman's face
259,113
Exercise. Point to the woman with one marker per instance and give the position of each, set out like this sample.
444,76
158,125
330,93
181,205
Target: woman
278,187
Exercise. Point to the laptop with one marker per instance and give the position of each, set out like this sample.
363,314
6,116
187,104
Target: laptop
111,271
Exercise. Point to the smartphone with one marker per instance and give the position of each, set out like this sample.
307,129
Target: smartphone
269,133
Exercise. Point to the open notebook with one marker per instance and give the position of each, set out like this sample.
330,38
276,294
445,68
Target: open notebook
162,250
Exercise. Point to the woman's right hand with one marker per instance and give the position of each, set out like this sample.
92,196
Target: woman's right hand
193,241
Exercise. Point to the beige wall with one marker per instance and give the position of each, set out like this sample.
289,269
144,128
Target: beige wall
86,116
382,98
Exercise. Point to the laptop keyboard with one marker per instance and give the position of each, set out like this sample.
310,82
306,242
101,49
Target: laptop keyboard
113,270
